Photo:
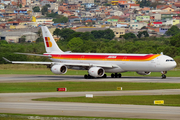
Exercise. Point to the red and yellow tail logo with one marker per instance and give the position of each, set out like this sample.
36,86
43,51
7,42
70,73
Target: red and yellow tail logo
48,42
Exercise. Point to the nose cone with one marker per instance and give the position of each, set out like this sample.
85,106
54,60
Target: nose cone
171,65
168,63
174,64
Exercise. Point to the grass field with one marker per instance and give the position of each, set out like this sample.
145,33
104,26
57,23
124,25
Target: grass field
82,86
170,100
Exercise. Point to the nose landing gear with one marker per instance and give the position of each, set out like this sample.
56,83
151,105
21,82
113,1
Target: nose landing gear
163,74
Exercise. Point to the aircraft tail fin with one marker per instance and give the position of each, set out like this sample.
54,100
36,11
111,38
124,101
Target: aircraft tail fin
49,42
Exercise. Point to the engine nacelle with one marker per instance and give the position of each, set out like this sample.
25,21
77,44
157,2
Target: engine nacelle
144,73
59,69
96,71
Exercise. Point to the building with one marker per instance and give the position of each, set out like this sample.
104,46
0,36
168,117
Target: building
118,31
14,37
138,25
143,18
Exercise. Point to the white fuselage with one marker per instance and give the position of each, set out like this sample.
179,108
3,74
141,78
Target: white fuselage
156,63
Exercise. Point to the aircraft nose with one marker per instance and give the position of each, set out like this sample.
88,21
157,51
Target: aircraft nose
174,64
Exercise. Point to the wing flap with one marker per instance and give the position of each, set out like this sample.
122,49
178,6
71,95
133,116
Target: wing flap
90,65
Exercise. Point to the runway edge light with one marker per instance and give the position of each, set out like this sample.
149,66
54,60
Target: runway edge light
61,89
158,101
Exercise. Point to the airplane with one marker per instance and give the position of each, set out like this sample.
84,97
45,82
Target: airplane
98,64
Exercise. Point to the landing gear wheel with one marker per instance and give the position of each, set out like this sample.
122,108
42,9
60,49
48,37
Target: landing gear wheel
89,77
163,76
119,75
104,76
85,76
112,75
116,75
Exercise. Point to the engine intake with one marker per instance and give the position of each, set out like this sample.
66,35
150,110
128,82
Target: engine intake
144,73
96,71
59,69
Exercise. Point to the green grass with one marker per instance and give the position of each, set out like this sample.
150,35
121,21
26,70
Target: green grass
82,86
9,116
169,100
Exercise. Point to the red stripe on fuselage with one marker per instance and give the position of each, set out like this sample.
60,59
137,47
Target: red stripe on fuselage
102,57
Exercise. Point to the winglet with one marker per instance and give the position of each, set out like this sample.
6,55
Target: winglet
7,60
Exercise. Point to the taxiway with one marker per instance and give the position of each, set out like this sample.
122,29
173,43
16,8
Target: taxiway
55,78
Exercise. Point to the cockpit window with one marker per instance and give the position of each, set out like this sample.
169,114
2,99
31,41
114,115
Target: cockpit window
169,60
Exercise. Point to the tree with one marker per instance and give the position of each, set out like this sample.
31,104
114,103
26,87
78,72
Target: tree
175,41
144,3
3,42
172,31
97,34
52,14
48,5
44,10
87,36
108,34
22,39
36,9
129,36
66,32
76,44
20,5
57,32
145,33
60,20
107,4
10,20
40,38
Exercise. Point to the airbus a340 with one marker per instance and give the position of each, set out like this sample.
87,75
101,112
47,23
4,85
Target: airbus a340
97,64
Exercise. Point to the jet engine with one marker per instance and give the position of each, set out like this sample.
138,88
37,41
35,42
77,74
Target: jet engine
59,69
96,71
144,73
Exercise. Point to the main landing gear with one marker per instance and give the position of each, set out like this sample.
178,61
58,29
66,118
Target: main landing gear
90,77
163,74
116,75
113,75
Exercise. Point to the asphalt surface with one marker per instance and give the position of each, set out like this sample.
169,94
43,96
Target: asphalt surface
22,102
55,78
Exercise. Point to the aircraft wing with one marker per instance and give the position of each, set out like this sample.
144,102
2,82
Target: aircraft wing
64,63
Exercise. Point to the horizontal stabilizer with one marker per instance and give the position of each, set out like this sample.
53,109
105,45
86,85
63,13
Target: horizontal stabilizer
49,56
